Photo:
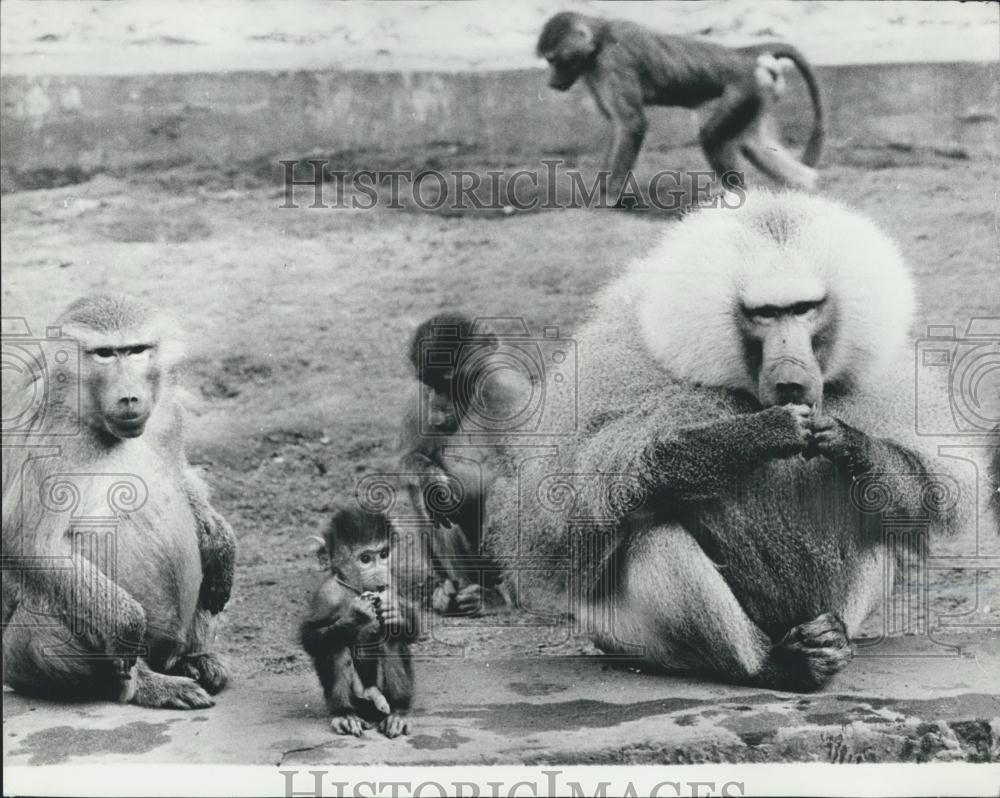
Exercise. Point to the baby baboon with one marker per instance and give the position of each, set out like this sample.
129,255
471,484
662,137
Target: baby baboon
359,628
124,615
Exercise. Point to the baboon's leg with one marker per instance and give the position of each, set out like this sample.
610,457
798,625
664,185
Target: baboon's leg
871,582
341,685
675,605
762,148
197,662
734,112
49,661
46,659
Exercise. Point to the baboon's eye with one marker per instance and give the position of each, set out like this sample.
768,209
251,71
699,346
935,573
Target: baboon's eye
104,354
365,558
801,308
384,554
138,352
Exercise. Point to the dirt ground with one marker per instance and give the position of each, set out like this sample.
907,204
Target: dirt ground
296,322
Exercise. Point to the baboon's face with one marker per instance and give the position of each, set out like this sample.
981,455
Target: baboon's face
563,71
122,384
567,43
786,347
364,565
442,415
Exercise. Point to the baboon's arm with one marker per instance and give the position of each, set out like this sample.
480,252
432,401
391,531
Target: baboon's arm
895,473
703,462
77,590
217,545
617,91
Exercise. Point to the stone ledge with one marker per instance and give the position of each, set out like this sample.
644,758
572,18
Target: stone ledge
905,705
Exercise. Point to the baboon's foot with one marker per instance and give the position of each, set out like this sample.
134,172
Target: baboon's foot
205,668
159,690
374,695
348,723
394,725
809,655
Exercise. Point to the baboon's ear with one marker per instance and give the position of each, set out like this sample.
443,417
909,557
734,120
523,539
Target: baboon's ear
322,553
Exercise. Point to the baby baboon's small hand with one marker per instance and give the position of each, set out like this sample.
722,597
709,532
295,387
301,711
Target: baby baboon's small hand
392,615
363,610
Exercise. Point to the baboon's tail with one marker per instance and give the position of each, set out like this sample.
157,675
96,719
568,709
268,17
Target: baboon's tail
810,155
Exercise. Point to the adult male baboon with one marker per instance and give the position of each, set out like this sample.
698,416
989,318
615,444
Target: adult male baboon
122,610
746,431
627,67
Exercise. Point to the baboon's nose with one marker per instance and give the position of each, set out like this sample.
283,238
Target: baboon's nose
130,406
790,393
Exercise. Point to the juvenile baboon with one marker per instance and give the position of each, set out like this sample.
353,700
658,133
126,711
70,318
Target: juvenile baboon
453,360
750,382
126,617
359,628
627,67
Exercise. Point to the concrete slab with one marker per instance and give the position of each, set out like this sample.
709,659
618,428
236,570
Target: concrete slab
903,700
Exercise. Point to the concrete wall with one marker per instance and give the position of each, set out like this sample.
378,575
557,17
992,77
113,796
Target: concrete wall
113,122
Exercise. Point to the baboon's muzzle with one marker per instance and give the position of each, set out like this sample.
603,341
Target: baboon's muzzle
789,371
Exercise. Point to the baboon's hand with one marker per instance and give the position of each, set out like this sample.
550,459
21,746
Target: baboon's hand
218,553
443,595
123,643
836,441
786,429
392,613
363,612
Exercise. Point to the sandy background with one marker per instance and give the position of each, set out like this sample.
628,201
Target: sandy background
162,36
298,322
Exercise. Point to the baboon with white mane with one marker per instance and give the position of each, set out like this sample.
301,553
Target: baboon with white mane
746,428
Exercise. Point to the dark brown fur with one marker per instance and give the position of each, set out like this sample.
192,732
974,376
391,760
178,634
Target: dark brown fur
627,67
360,646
